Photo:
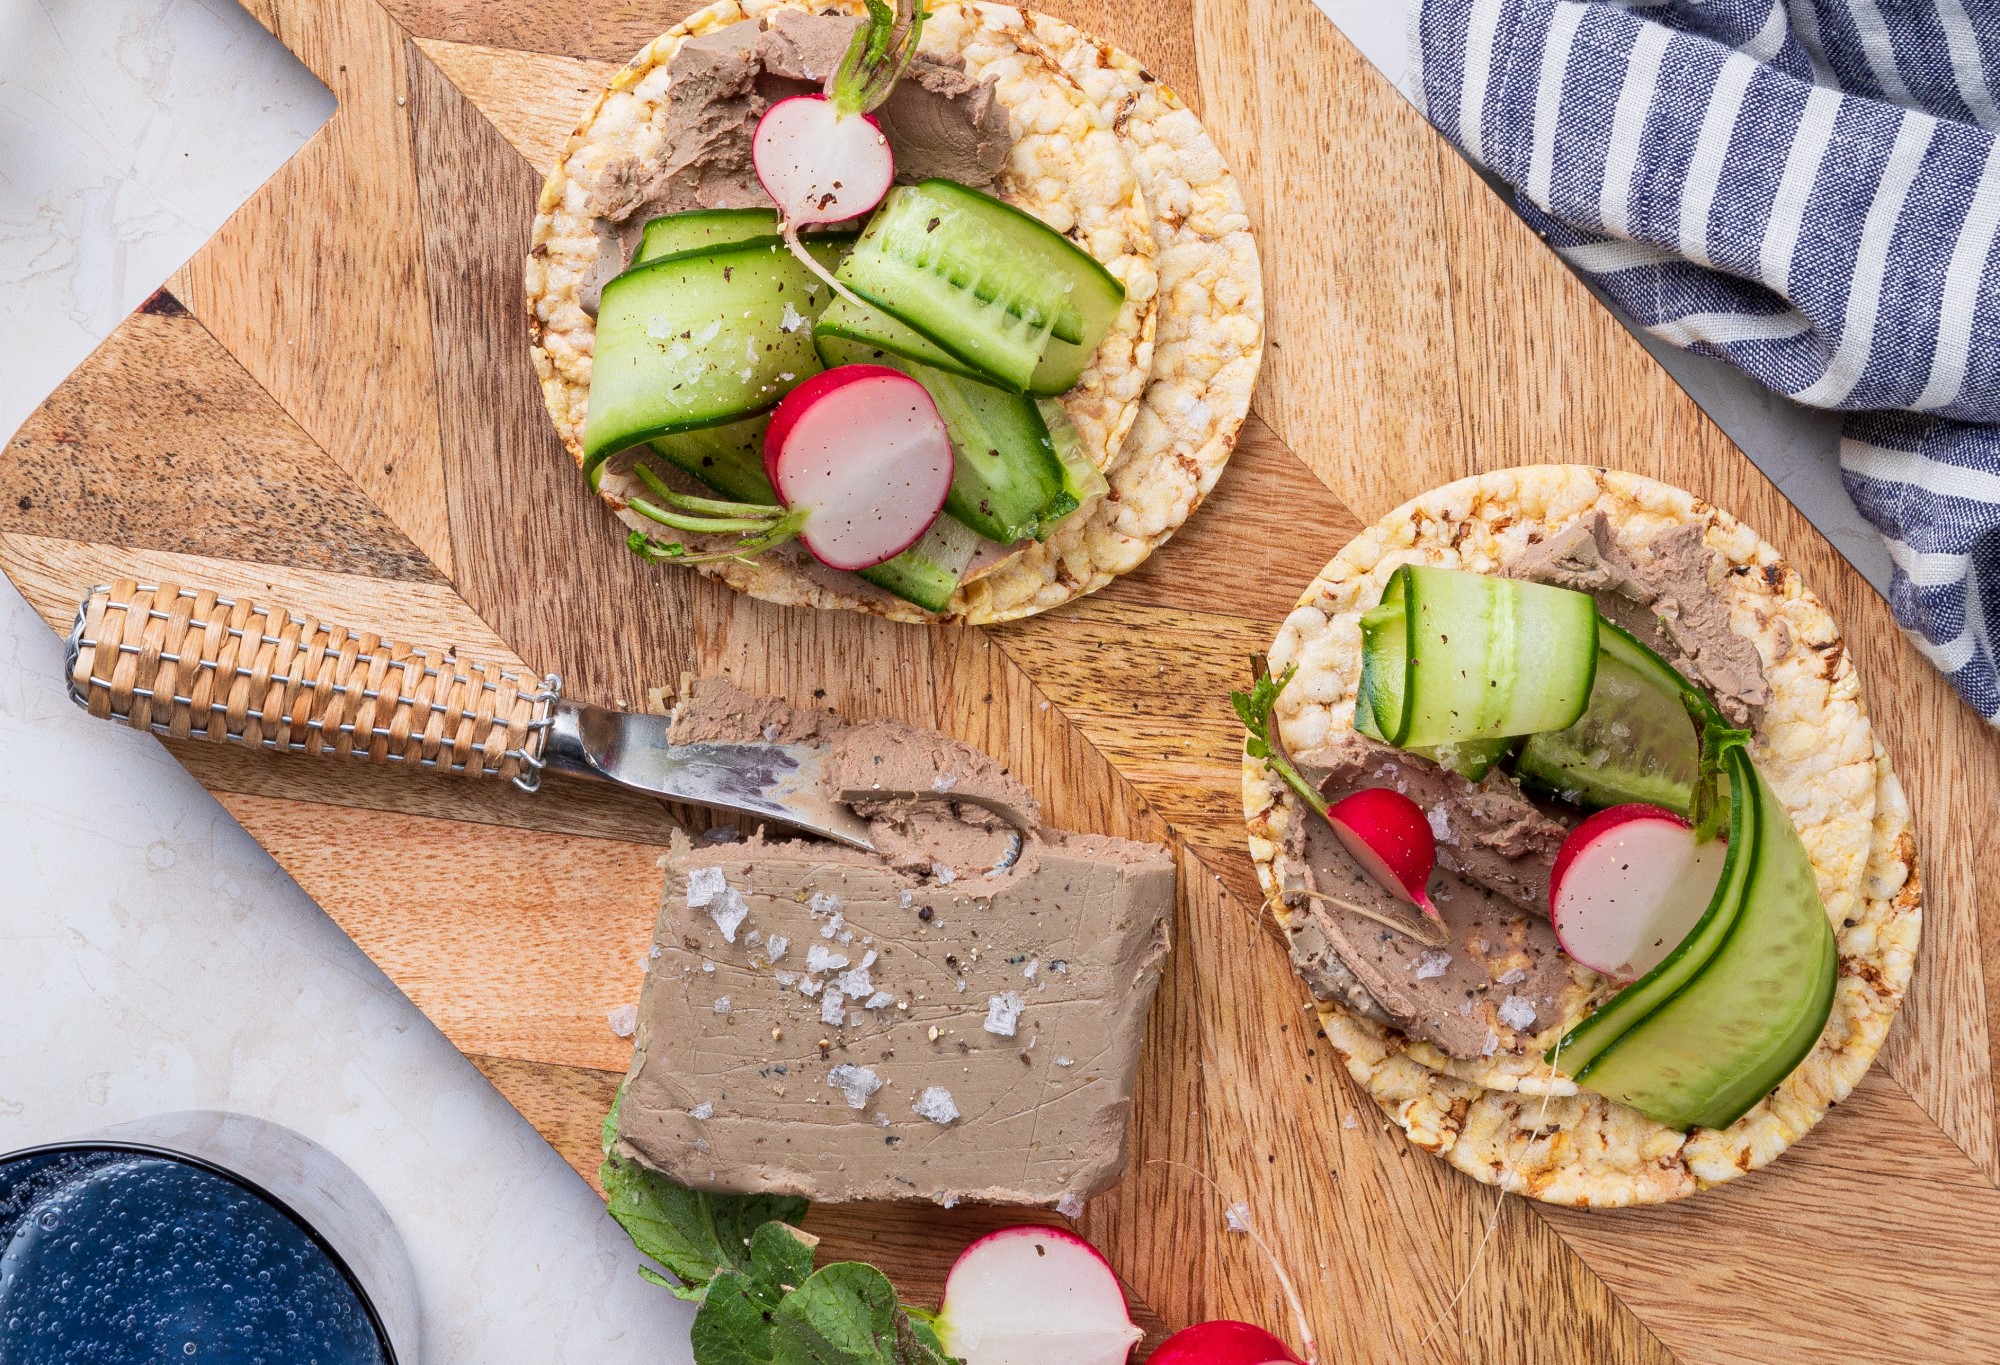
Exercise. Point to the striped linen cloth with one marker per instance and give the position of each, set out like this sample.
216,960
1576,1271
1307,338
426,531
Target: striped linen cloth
1808,189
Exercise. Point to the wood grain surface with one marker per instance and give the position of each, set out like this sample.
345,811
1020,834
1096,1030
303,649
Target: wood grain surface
331,404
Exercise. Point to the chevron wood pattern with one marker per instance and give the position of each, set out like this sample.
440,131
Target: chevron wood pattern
331,405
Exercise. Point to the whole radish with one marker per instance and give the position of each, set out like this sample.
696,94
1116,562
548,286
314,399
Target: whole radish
823,158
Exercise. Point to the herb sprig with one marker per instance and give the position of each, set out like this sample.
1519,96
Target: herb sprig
745,1261
1254,708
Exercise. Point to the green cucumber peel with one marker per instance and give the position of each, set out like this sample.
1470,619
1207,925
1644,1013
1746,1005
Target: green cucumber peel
1711,810
1253,708
744,1260
869,72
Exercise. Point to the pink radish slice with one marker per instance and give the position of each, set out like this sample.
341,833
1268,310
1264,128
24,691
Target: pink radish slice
1034,1296
1628,885
862,451
1223,1342
1387,833
818,164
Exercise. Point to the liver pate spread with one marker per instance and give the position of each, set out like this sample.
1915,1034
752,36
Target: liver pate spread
1497,979
939,122
911,1024
1668,600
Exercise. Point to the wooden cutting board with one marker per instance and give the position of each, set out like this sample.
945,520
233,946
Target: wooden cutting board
331,406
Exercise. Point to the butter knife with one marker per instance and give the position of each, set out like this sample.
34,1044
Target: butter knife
191,663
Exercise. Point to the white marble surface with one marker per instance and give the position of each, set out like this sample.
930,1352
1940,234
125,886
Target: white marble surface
152,956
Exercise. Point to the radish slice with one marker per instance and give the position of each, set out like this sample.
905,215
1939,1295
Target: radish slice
820,165
1386,832
1223,1342
861,453
1628,885
1034,1296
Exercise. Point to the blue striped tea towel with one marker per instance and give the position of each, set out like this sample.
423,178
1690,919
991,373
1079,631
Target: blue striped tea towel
1808,189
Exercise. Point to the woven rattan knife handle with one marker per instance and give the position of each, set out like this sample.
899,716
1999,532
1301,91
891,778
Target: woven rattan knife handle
191,664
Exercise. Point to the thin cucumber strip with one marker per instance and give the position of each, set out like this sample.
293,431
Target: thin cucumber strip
1082,481
1483,658
1634,742
729,459
1595,1035
698,341
1753,1011
985,282
1378,707
929,572
876,331
703,230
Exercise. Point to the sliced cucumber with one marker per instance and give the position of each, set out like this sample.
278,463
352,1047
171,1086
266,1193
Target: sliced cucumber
702,230
696,341
982,280
876,332
728,459
1082,481
1582,1046
1005,469
929,572
1472,759
1709,1053
1378,706
1480,658
1634,742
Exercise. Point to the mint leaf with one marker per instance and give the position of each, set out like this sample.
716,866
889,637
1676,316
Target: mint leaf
691,1233
733,1324
847,1314
1253,708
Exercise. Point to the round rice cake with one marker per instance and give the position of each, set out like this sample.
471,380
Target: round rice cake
1509,1120
1088,156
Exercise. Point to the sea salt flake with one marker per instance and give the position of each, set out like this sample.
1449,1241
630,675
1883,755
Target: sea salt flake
1238,1217
624,1020
1517,1013
823,903
855,1083
831,927
704,1110
704,885
945,875
1059,967
936,1104
1034,965
943,782
832,1009
1350,1122
792,320
950,1201
820,959
961,985
729,913
907,898
1002,1013
701,1144
722,1004
774,947
1069,1206
879,1000
1492,1044
855,984
1432,964
1064,1061
754,937
809,987
1440,823
708,967
1513,976
786,978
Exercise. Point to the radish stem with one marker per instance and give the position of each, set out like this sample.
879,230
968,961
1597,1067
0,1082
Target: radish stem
701,526
791,234
688,502
1434,933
